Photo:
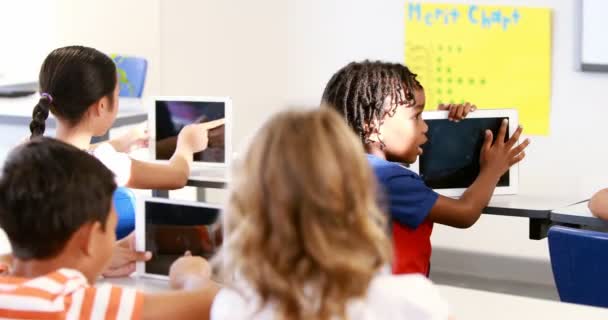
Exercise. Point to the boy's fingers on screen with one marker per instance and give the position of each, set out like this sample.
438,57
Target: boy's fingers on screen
502,132
213,124
487,143
187,253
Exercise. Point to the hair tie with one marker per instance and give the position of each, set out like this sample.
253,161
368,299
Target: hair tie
48,96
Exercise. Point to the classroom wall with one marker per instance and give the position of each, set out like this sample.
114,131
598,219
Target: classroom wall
326,34
28,29
31,29
227,48
114,26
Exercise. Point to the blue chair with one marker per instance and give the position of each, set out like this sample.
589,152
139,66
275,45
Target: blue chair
124,203
579,259
131,75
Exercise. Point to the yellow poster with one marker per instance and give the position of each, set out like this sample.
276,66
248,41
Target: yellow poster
493,56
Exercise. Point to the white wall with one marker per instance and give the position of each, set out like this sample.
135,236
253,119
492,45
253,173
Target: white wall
229,47
324,35
29,30
32,28
114,26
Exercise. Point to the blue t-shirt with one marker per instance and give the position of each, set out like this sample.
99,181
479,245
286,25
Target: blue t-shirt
410,200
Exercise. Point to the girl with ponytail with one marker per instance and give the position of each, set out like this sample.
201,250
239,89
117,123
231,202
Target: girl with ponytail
79,86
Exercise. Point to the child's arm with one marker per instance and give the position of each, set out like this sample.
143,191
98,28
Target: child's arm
191,275
136,137
599,204
174,175
181,305
6,261
495,160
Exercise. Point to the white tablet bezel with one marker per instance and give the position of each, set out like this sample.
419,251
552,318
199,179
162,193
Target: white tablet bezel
227,133
140,228
512,115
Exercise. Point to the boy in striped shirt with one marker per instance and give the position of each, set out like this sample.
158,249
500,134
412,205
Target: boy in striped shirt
56,209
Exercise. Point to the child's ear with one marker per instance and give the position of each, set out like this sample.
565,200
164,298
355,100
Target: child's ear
84,238
95,231
87,236
94,109
99,106
372,129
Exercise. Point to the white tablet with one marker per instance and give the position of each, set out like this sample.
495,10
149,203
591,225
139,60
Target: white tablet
450,160
168,228
168,115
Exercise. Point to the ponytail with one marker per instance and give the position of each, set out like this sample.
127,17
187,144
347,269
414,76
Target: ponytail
40,114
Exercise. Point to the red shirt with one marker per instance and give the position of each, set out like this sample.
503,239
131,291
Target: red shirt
412,248
409,201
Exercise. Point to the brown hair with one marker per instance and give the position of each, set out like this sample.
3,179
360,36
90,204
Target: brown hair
302,225
71,79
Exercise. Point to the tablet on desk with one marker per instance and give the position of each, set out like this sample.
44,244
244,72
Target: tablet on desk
168,228
450,160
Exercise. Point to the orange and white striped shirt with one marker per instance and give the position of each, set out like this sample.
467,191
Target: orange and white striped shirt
66,294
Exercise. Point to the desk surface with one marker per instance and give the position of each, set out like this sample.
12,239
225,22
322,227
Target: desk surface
481,305
527,205
578,214
464,303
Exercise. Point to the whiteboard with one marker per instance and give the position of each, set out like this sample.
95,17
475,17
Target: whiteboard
593,28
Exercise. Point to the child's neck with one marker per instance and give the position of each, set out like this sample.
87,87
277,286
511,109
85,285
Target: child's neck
35,268
77,136
375,150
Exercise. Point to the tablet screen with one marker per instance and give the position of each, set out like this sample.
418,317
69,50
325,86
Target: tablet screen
172,229
450,158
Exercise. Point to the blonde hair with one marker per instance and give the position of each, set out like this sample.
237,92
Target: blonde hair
302,225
